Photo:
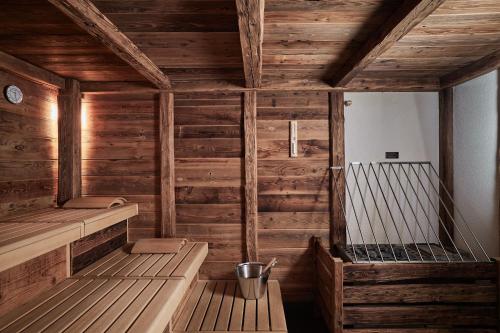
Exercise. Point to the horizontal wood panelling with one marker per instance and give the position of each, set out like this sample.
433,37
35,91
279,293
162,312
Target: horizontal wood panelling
28,147
292,192
120,152
21,283
209,174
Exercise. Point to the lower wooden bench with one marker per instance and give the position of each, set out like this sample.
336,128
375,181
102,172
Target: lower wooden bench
219,306
99,305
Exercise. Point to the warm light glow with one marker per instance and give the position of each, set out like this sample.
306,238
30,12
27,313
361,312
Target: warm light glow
53,111
84,116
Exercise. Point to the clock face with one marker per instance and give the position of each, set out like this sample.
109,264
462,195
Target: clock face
14,94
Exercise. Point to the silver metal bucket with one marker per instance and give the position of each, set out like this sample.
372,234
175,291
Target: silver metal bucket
252,284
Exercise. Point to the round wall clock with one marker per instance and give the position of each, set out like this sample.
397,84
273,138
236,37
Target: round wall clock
13,94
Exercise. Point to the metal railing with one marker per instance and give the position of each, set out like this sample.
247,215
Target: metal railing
392,214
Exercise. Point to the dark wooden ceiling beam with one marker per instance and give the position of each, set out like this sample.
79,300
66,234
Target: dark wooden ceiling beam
30,72
411,13
89,18
251,26
471,71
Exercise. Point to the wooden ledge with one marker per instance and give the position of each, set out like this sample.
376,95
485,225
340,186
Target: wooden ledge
91,220
218,306
20,242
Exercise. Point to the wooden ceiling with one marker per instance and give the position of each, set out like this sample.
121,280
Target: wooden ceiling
306,43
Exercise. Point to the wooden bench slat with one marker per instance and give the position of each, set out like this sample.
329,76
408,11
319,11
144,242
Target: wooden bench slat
100,307
145,265
237,314
188,310
278,322
188,267
201,308
153,271
250,317
225,309
24,320
109,258
158,312
62,323
263,313
176,260
116,309
133,265
24,309
61,309
213,309
133,310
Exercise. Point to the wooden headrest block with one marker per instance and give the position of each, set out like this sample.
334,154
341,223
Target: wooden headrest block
94,202
158,245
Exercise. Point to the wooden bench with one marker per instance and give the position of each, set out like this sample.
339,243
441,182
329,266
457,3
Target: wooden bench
20,242
90,220
121,264
29,235
99,305
120,292
218,306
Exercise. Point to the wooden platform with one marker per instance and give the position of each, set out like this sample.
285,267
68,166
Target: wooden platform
26,236
121,264
20,242
91,220
219,306
99,305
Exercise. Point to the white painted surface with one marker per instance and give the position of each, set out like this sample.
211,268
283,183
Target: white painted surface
475,166
407,123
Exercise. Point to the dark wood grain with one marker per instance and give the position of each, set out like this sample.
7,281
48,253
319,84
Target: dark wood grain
399,24
88,17
446,153
70,150
251,204
337,176
167,168
251,27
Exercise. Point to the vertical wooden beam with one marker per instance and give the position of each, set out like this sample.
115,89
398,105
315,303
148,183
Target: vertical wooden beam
446,163
70,133
337,158
337,296
251,27
167,171
250,137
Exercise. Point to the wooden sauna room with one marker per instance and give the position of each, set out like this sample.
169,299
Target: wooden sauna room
302,166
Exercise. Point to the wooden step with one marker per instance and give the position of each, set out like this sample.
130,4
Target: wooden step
218,306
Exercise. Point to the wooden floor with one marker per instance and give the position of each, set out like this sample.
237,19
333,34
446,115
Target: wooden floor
219,306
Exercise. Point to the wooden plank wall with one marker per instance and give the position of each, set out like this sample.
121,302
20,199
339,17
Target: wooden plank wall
209,176
28,147
292,192
120,155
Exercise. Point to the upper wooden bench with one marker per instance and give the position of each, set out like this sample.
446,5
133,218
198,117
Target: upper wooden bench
26,236
91,220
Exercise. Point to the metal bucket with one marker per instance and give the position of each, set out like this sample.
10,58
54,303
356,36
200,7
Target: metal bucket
252,284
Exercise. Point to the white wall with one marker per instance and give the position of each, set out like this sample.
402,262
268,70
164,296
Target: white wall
475,153
409,124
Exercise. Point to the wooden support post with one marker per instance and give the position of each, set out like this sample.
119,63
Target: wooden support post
337,158
446,163
70,152
337,296
167,164
250,130
497,262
